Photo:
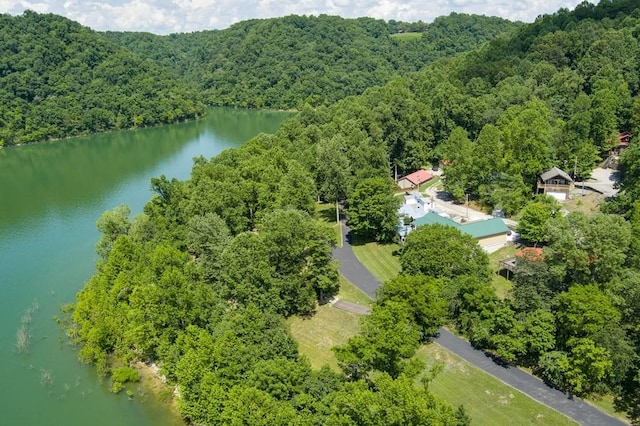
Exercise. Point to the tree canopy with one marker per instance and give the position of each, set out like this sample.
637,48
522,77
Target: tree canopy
59,79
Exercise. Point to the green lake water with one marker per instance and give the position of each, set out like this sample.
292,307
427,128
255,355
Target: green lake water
51,195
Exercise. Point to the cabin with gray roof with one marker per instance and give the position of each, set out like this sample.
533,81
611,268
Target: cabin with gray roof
556,183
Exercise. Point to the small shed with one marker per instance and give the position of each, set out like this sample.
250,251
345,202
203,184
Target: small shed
415,179
556,183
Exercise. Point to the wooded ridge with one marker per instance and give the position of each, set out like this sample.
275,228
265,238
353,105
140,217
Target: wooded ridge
59,79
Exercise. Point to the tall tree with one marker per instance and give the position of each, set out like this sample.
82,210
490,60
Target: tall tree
443,251
373,209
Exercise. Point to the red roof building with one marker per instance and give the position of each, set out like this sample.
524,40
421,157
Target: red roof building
415,179
623,142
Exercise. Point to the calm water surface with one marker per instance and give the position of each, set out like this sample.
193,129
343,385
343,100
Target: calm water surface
50,198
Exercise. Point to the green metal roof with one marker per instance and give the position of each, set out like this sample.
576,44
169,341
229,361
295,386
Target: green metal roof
479,229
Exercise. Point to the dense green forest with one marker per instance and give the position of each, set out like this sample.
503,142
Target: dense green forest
201,282
555,92
286,63
59,79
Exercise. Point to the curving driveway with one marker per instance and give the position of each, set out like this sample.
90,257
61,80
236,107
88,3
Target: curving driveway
572,407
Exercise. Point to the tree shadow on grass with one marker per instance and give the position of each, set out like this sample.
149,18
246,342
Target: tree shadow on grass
357,240
328,214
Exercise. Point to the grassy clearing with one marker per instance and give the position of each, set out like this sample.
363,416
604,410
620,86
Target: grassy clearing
605,403
500,283
406,36
429,184
316,335
327,213
328,327
588,203
486,399
379,259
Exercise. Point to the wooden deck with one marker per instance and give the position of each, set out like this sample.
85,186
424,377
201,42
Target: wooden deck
508,264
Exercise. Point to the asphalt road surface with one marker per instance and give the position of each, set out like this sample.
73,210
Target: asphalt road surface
572,407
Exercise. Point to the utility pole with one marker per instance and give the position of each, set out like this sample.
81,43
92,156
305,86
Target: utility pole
467,200
338,221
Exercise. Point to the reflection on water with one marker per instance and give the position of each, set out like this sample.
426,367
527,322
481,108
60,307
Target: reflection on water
50,198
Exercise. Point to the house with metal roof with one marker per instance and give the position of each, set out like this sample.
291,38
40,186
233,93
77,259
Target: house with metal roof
414,205
415,179
490,233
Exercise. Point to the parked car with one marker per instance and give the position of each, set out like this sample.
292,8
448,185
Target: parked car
512,236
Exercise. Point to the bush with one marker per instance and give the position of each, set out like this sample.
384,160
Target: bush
122,375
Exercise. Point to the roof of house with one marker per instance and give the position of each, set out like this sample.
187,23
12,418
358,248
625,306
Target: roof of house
478,229
624,135
413,210
553,172
418,177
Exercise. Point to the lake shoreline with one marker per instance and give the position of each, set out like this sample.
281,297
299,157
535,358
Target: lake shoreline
156,385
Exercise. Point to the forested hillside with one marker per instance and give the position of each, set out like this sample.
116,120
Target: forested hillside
496,117
288,62
59,79
556,92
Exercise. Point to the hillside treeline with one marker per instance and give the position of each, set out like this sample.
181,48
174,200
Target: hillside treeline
286,63
59,79
495,117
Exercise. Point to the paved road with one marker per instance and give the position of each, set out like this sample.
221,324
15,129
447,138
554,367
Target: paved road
574,408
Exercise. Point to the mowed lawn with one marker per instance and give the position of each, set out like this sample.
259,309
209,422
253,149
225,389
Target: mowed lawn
486,399
383,262
328,327
379,259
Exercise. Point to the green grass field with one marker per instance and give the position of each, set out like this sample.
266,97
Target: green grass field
486,399
379,259
385,265
351,293
429,184
328,327
316,335
406,36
